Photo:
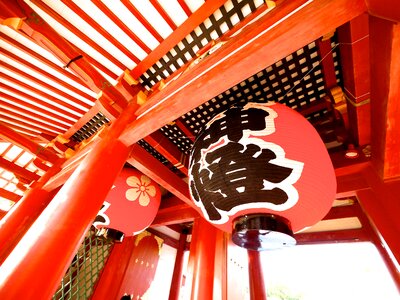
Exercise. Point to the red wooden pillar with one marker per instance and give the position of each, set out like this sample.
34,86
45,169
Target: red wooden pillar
49,245
201,260
176,282
21,216
354,54
256,276
114,271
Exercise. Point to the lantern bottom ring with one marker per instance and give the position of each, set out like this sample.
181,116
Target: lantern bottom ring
262,232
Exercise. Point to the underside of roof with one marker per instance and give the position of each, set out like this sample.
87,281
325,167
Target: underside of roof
69,68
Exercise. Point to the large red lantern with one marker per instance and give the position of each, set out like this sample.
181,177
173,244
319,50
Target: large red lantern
262,172
131,205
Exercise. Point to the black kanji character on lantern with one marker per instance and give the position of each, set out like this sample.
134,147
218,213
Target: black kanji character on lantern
235,175
232,124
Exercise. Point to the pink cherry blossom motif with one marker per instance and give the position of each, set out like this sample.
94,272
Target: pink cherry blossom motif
141,189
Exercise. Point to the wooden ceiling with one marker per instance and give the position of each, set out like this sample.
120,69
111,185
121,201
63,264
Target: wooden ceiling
69,68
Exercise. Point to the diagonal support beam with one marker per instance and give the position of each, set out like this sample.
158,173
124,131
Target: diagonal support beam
17,170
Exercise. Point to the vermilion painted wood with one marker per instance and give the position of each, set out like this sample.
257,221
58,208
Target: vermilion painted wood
385,92
182,126
17,170
178,35
164,14
33,54
169,150
354,50
26,144
176,282
49,76
108,12
254,48
328,68
256,276
202,260
46,96
46,36
23,126
9,195
380,203
340,236
177,214
166,238
387,9
57,233
150,166
80,12
30,106
142,20
37,120
141,268
78,33
17,221
20,129
47,86
185,8
114,271
83,120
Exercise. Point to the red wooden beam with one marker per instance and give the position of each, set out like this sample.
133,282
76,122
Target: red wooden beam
150,166
169,150
327,64
35,28
385,9
10,107
9,195
46,96
175,214
80,12
380,203
241,57
17,170
142,20
385,92
108,12
207,9
50,77
339,236
354,54
164,14
167,239
78,33
176,281
114,271
26,144
23,121
49,87
30,103
185,7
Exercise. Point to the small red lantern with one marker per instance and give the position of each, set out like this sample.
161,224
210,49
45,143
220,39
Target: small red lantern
131,205
263,172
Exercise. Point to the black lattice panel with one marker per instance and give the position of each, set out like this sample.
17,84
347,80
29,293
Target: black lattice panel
296,80
90,128
336,59
158,156
178,138
215,26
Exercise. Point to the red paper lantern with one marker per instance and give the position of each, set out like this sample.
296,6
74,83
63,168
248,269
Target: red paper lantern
131,205
261,165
